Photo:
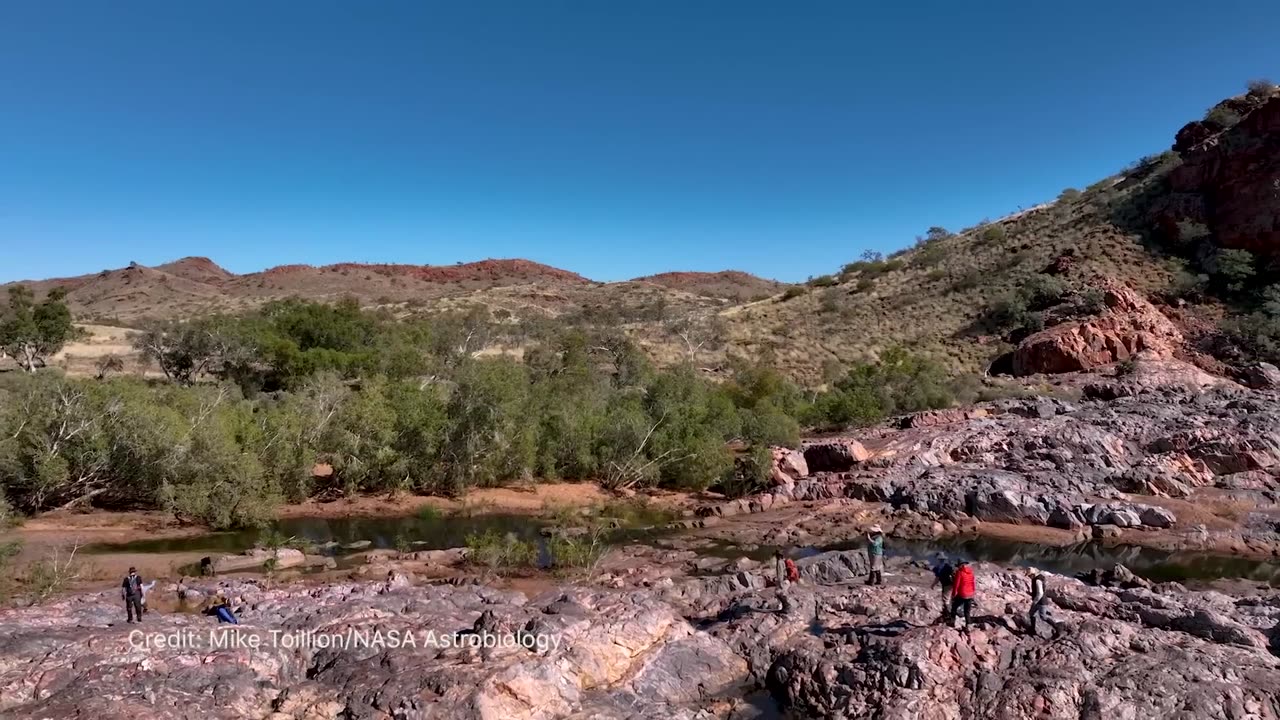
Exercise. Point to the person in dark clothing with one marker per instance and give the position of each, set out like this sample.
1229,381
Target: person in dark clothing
962,592
944,576
131,593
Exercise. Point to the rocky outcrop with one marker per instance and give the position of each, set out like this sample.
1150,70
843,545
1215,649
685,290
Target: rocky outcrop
929,418
685,648
1228,180
577,651
788,466
1129,325
1115,653
837,455
278,558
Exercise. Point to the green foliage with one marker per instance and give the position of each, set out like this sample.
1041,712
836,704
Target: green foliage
1222,116
575,555
1069,195
993,234
1021,308
751,473
489,438
1091,301
1255,335
823,281
499,551
30,332
1232,269
793,292
900,382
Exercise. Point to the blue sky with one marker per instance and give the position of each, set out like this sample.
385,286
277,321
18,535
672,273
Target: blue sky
613,139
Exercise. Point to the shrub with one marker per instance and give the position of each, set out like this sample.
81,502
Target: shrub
1190,233
1069,195
864,285
968,281
580,554
1261,87
1232,268
793,292
495,550
1091,302
54,572
993,234
899,382
1222,116
936,274
751,473
823,281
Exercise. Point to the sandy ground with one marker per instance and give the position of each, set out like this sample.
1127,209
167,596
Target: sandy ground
529,499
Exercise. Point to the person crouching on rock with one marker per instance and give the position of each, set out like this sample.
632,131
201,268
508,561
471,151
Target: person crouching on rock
962,591
875,555
218,606
131,593
944,576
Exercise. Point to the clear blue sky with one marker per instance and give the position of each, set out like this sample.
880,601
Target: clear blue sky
614,139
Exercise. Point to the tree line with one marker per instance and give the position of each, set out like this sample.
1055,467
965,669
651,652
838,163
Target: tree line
304,399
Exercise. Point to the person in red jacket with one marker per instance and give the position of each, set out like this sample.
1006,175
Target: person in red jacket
962,592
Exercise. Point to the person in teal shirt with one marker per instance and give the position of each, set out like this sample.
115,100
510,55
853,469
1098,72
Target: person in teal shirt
875,555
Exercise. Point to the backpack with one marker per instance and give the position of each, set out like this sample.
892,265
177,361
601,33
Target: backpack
945,573
793,572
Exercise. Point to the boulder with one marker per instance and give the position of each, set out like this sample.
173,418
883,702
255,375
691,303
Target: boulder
840,455
1262,376
788,466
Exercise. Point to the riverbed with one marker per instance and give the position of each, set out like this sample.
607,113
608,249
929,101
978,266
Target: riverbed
429,531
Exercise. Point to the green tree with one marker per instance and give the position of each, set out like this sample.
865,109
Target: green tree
1233,268
489,439
31,332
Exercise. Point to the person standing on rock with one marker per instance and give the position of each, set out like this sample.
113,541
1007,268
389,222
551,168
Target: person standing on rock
944,576
131,593
1039,603
962,592
875,555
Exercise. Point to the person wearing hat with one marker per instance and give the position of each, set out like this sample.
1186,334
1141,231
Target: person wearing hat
962,592
1039,602
875,555
131,593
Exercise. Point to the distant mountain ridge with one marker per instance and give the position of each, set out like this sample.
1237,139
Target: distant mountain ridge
195,285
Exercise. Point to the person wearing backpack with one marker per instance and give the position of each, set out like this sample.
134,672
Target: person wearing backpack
131,593
944,576
785,570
